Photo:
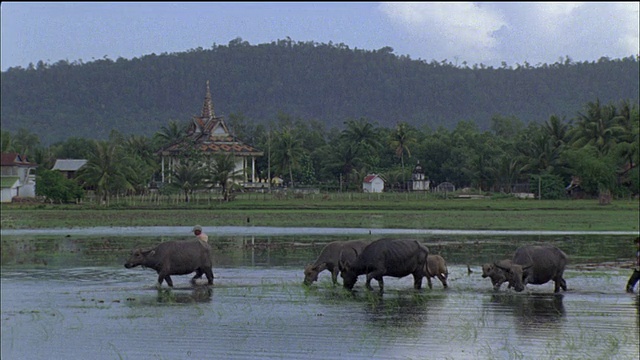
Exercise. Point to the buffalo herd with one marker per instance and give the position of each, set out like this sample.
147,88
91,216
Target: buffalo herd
530,264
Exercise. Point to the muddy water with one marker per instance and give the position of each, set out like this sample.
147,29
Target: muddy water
68,296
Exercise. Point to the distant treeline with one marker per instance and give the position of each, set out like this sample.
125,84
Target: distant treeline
329,83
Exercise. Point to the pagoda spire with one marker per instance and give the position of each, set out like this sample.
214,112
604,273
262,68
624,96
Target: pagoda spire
207,107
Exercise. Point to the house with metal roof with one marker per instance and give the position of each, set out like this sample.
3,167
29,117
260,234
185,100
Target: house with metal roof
17,176
69,167
210,135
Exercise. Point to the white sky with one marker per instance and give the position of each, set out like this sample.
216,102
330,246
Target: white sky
485,32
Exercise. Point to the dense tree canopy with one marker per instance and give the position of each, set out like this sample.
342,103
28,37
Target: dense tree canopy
599,145
329,83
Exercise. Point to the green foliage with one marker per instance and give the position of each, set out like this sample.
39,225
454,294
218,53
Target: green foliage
5,142
597,172
73,148
504,160
56,188
107,170
222,171
327,82
551,187
187,177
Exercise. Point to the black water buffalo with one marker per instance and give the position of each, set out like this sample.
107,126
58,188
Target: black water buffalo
175,258
329,259
387,257
496,272
537,264
436,267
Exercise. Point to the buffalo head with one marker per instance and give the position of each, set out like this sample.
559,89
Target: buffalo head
310,274
349,278
138,257
513,273
348,274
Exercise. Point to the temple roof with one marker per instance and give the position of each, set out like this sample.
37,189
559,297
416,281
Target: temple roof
210,134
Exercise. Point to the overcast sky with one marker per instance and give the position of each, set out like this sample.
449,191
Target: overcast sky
487,33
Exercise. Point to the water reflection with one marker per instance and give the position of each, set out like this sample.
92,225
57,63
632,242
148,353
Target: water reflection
533,312
52,250
399,311
199,294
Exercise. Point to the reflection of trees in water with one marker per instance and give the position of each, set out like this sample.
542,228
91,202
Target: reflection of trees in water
199,294
533,312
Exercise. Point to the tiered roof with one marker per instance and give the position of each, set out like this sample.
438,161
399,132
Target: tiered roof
209,133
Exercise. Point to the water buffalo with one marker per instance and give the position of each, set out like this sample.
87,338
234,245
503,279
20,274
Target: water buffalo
387,257
497,274
538,264
329,259
175,258
436,267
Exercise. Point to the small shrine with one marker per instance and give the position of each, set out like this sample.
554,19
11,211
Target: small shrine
418,181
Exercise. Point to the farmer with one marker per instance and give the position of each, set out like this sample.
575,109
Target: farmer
633,279
197,231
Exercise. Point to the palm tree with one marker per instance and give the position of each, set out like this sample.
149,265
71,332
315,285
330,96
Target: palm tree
170,134
363,135
6,144
598,136
187,177
286,151
141,155
402,139
598,127
557,130
25,142
628,146
105,170
223,172
342,158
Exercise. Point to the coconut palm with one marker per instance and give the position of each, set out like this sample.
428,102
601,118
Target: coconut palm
402,139
342,159
105,171
170,134
363,135
141,155
597,127
187,177
223,172
286,152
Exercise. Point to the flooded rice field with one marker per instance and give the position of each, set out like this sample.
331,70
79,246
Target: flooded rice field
69,296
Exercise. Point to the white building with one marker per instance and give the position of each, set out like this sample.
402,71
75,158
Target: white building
18,177
418,181
373,184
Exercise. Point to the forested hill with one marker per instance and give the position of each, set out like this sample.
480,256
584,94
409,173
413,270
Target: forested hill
326,82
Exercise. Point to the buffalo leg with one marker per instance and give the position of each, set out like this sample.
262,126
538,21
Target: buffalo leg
377,274
380,284
209,274
417,281
167,278
429,282
334,275
198,275
559,283
368,283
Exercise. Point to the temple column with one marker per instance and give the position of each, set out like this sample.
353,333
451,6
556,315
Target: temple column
253,169
162,167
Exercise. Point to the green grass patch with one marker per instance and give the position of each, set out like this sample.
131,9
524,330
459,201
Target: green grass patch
355,212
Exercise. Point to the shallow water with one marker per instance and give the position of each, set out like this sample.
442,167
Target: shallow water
70,297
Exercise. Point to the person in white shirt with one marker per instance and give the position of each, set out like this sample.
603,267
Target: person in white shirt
197,230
